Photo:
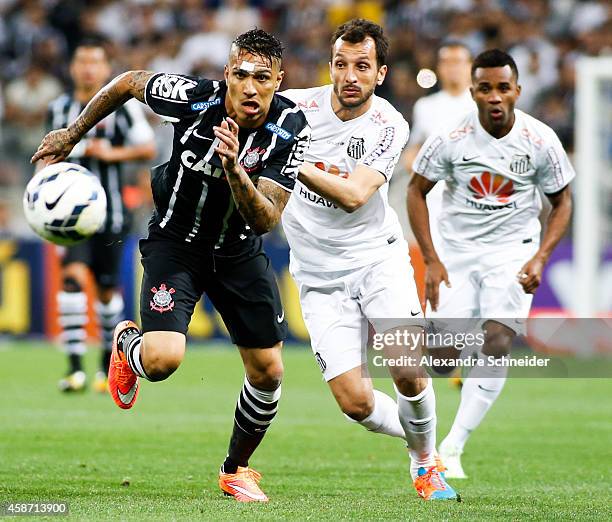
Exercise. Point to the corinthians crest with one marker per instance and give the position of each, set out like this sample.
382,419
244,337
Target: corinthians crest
252,158
162,299
356,148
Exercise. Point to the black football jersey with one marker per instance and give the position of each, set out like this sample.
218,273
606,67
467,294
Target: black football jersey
193,199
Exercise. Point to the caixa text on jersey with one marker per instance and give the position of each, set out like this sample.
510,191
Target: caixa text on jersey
190,160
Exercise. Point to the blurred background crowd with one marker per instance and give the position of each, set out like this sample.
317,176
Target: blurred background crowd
193,36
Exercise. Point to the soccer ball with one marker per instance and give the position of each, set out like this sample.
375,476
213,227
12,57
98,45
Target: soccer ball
64,203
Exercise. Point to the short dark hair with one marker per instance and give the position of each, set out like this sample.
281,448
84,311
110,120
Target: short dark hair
494,58
259,42
93,40
357,30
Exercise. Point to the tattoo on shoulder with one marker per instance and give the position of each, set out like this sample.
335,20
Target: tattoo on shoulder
137,82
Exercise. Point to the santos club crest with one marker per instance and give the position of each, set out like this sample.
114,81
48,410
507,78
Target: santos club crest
162,299
356,148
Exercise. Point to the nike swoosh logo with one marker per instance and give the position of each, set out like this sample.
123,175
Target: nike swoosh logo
51,206
279,318
195,133
413,314
126,398
246,492
470,158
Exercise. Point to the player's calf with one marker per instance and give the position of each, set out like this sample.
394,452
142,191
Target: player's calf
162,353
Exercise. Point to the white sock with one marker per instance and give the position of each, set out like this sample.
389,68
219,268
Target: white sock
384,418
480,390
418,418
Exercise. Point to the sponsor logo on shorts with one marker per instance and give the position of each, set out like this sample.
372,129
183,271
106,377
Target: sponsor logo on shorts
203,105
162,300
491,188
279,131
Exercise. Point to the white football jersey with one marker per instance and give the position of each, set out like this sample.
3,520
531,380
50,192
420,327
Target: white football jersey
322,236
431,111
491,194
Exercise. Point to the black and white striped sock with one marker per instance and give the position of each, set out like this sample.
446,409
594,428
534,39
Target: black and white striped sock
255,411
72,308
109,314
130,342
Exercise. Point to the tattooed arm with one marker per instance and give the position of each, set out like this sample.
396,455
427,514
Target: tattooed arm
261,207
56,145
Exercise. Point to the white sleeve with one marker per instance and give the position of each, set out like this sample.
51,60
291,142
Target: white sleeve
555,170
385,153
140,131
431,161
417,133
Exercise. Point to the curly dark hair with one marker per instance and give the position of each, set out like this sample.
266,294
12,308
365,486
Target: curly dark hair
357,30
494,58
259,42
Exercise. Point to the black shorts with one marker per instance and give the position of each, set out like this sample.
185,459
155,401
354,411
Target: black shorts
102,254
239,282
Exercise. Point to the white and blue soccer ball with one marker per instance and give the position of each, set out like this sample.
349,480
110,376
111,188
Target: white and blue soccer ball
65,203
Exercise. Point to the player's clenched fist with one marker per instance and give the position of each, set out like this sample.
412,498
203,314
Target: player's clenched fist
229,147
531,274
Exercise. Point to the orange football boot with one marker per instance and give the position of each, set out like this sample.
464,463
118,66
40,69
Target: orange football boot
242,485
431,484
122,381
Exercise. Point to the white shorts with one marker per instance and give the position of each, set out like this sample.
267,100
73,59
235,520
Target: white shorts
485,285
337,306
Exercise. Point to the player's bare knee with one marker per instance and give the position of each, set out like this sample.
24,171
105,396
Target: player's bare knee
162,357
268,377
357,407
498,340
409,386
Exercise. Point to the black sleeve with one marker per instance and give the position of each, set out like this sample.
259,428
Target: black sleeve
177,96
287,156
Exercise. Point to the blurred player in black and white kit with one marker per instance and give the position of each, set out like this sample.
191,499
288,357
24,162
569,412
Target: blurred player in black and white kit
124,135
490,256
237,147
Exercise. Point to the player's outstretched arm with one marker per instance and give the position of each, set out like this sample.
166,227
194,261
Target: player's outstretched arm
418,215
56,145
531,274
261,207
349,194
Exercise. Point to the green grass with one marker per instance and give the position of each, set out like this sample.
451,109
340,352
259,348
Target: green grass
542,453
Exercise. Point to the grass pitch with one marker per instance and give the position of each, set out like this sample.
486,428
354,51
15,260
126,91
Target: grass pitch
542,453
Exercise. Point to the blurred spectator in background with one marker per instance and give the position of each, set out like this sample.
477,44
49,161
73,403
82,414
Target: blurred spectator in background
192,36
26,101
